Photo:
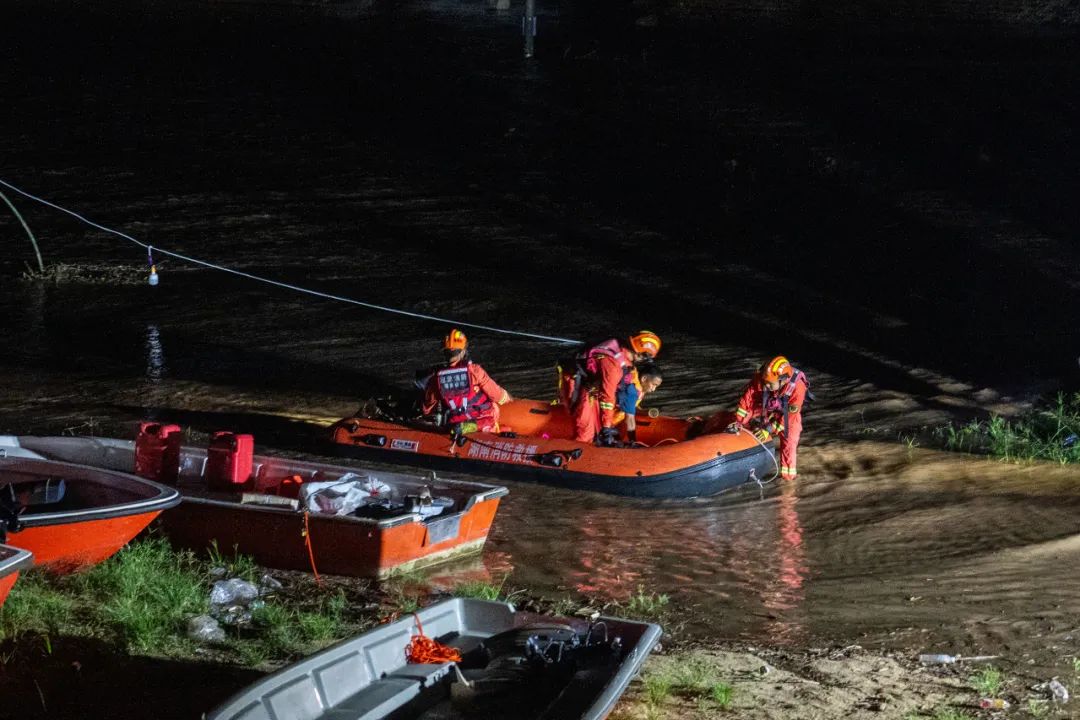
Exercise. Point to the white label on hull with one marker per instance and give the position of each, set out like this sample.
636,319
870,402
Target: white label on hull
503,451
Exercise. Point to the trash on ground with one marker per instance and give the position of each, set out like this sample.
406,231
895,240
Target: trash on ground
204,628
950,659
232,592
268,585
231,601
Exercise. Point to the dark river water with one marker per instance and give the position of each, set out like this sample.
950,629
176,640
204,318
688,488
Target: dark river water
891,207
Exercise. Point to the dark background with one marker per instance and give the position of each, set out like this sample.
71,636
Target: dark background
885,192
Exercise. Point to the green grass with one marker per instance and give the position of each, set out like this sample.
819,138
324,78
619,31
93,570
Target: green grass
721,695
236,565
1037,707
482,590
147,591
657,689
143,597
1041,434
1076,666
987,682
694,677
34,605
645,605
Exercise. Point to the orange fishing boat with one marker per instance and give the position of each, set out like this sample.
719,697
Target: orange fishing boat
408,520
12,561
71,516
674,458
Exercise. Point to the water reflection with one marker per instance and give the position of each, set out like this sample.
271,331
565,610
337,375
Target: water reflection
732,553
155,353
784,596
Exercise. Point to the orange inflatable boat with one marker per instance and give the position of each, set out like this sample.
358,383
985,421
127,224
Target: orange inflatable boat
535,444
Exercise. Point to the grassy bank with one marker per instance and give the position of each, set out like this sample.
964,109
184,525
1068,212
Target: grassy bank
1049,433
141,600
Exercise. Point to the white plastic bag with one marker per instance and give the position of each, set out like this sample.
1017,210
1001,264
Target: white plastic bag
342,496
204,628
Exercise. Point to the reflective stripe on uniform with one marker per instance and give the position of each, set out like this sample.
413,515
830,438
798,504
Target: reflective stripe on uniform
741,413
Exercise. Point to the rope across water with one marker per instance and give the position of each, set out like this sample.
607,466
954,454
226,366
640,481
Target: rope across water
284,285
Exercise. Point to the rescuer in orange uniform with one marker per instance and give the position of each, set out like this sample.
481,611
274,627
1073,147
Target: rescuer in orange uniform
467,395
773,404
588,384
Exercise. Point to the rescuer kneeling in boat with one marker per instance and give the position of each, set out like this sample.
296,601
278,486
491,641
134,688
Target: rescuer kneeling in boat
773,404
467,396
644,379
589,382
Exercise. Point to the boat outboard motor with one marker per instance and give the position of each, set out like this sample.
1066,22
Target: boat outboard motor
9,518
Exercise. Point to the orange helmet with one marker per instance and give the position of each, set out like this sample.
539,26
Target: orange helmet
775,369
646,343
455,341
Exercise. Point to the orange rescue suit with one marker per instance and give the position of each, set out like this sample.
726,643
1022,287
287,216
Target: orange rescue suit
486,394
595,408
780,414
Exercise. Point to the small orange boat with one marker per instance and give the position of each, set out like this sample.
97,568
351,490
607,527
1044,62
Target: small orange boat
12,561
263,518
71,516
536,443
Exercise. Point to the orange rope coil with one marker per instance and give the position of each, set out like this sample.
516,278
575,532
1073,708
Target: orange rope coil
422,649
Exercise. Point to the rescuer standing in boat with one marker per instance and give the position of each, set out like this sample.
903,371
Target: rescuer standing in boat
589,382
773,404
468,397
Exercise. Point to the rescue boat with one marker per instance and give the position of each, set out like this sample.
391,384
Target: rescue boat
72,516
413,520
12,561
535,443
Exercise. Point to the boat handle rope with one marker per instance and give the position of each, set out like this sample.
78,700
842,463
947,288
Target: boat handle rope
772,456
310,550
288,286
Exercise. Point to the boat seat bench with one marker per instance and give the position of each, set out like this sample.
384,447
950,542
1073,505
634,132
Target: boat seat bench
387,694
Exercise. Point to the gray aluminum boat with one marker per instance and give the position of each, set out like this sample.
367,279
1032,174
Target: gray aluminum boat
12,561
585,667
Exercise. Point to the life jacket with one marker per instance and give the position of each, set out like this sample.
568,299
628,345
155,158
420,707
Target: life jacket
586,365
633,383
456,393
772,403
589,359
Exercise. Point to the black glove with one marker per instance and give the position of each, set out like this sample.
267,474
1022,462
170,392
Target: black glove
608,437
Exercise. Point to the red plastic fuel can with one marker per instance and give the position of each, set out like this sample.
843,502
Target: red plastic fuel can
157,452
229,460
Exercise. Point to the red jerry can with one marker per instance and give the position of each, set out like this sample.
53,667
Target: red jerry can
157,452
229,460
